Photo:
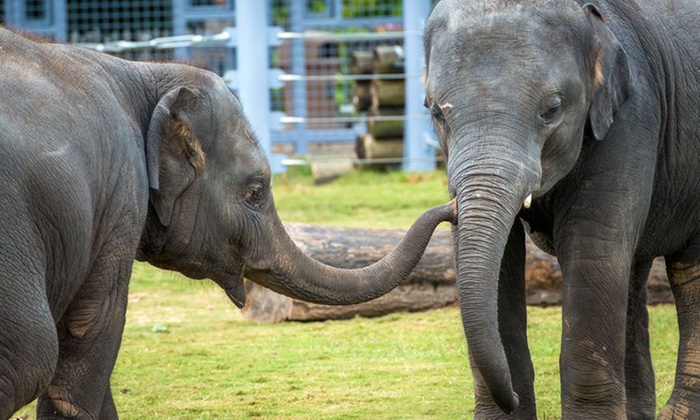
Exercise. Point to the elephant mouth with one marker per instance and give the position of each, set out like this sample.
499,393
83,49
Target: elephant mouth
234,287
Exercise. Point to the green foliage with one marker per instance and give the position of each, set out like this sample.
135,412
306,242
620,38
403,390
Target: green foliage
187,353
316,6
372,8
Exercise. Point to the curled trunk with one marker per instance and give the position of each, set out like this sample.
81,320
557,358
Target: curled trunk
294,274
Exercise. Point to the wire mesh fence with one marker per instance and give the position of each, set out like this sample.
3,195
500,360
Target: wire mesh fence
104,21
342,60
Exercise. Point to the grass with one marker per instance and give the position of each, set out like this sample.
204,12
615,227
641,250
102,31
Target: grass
361,199
187,353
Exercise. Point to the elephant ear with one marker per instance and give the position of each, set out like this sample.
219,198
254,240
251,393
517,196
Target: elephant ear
173,149
610,73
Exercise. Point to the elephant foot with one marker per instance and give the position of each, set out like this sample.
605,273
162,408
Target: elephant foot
634,413
525,411
678,410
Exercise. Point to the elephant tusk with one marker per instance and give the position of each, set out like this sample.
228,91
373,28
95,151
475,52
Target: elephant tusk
528,201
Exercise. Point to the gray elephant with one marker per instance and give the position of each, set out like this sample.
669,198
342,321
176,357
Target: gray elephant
105,160
583,121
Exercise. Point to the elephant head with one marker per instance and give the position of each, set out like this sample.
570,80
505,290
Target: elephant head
211,210
515,90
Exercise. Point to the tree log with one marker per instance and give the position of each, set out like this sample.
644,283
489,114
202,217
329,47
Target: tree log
388,93
430,285
361,95
388,59
325,172
386,129
362,62
367,147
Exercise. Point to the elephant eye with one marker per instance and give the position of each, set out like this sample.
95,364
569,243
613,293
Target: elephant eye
255,195
551,111
437,114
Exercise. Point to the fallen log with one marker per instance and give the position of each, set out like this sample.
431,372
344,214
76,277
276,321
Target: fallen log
367,147
326,172
430,285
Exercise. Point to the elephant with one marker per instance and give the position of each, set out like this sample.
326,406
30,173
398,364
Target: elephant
105,161
577,123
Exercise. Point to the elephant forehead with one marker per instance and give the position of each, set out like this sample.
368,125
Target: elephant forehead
534,21
491,53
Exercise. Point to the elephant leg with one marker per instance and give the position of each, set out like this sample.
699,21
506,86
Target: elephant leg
512,324
89,338
28,342
685,284
639,372
108,408
596,275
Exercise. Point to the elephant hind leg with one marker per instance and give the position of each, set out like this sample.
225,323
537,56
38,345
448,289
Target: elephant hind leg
28,344
639,372
685,284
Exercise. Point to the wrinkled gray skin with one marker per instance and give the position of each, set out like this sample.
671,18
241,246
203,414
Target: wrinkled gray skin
84,136
594,110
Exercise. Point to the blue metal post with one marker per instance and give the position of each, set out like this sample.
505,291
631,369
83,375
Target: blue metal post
417,154
180,28
60,16
298,57
253,58
12,13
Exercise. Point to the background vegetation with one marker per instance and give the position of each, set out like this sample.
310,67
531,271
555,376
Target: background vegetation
187,353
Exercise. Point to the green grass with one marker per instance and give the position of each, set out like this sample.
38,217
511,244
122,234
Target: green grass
187,353
360,199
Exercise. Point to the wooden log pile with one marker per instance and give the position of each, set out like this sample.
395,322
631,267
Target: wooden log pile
430,285
380,97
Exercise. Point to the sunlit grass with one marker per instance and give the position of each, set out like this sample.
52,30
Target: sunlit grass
187,353
360,199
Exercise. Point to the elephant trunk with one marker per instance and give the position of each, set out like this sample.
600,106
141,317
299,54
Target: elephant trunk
491,187
289,271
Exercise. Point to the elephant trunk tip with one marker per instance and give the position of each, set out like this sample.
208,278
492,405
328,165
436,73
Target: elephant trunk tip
508,405
455,215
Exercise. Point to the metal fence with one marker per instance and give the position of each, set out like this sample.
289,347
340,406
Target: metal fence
313,89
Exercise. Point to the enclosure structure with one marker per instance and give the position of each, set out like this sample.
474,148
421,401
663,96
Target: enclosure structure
306,47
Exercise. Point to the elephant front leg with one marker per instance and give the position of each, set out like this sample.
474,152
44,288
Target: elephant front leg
89,338
639,371
592,361
685,398
28,343
512,324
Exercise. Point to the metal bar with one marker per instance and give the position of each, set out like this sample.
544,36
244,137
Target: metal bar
221,40
350,23
253,61
327,135
335,36
60,19
299,90
415,13
340,77
319,120
308,162
218,40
